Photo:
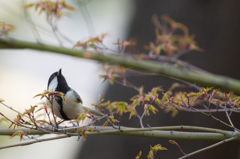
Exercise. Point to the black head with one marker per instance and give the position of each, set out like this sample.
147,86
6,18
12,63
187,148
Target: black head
57,82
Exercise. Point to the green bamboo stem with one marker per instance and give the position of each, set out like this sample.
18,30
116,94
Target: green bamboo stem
193,76
155,132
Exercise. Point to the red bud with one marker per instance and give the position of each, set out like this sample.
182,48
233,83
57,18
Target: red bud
15,120
45,108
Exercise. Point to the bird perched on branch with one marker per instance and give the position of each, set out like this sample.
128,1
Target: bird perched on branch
73,106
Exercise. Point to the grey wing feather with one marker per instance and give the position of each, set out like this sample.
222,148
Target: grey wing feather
79,100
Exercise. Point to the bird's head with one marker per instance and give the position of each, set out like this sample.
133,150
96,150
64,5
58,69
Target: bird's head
57,82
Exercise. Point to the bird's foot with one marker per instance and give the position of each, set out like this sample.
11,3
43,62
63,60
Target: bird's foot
55,127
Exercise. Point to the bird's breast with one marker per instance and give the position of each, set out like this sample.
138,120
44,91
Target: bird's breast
69,110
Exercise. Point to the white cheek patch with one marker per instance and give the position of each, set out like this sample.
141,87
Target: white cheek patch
53,84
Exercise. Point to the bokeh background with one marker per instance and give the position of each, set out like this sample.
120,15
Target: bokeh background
215,23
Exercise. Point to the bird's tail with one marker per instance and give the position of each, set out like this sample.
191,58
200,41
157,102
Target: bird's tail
94,112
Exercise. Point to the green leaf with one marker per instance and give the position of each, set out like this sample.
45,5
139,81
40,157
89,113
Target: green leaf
68,7
41,94
157,89
81,117
105,77
174,85
158,101
10,126
14,127
120,106
158,147
139,155
238,105
173,110
133,113
192,94
100,100
140,89
208,89
158,49
16,133
39,109
21,136
111,107
106,123
166,95
29,5
83,133
152,108
150,155
106,104
112,119
3,119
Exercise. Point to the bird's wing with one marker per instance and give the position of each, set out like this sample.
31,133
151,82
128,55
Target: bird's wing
79,100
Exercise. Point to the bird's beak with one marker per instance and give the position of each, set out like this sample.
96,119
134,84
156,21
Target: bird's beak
60,72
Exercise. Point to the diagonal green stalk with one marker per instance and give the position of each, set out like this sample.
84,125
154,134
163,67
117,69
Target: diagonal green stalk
209,147
167,132
193,76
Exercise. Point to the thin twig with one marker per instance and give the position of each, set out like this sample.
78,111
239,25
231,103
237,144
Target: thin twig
209,147
36,141
30,21
181,53
218,120
51,101
88,124
64,37
146,109
54,31
12,109
18,124
87,18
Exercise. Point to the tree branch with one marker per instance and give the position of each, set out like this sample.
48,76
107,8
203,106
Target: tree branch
193,76
155,132
209,147
35,141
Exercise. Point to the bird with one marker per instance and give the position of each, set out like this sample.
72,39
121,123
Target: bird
73,106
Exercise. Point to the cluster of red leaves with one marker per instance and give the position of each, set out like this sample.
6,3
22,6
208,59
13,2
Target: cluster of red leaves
83,132
131,43
6,28
147,100
168,100
91,42
20,122
113,72
50,95
153,151
32,121
168,42
52,9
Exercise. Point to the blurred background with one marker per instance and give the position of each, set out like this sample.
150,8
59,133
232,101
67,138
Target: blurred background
24,73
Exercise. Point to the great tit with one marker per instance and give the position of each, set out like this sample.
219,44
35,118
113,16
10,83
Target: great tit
73,106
